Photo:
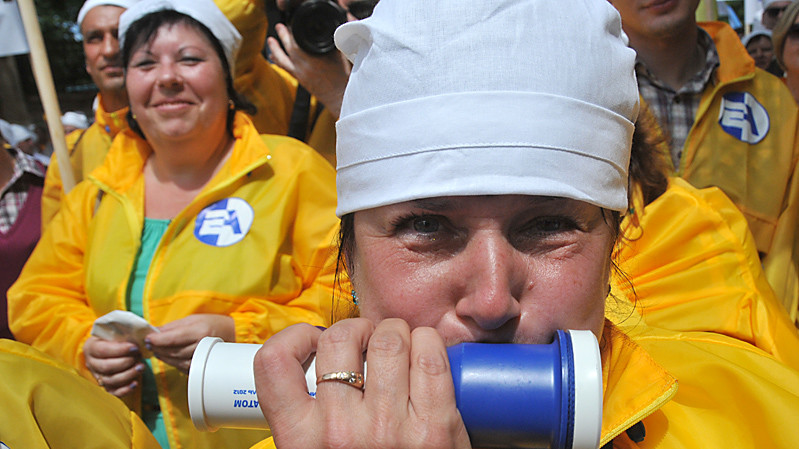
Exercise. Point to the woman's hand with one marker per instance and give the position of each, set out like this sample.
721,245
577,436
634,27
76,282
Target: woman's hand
408,400
177,340
115,365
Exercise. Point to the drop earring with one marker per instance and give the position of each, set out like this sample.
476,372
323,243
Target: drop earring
354,298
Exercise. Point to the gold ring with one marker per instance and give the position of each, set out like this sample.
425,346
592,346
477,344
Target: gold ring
348,377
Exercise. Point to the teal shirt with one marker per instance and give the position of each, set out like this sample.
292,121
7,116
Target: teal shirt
150,238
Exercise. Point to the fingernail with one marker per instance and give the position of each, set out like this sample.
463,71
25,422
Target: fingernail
321,328
148,345
133,349
133,385
139,368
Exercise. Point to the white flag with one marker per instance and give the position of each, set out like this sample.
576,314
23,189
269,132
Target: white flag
13,40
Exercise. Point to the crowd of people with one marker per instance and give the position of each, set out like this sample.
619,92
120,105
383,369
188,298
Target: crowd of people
453,171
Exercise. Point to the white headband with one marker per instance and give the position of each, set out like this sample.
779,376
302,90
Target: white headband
92,3
475,97
204,11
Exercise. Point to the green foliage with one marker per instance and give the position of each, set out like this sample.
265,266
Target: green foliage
57,20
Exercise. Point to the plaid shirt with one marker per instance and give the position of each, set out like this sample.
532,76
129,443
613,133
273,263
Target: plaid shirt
13,195
675,111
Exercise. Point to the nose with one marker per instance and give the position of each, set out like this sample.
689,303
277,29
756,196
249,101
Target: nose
168,76
497,276
110,46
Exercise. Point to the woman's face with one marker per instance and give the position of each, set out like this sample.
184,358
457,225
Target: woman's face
176,85
790,50
508,268
761,50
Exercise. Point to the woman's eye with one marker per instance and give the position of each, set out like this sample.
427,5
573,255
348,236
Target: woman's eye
142,63
426,225
551,225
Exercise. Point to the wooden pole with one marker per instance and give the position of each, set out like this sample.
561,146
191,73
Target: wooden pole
44,82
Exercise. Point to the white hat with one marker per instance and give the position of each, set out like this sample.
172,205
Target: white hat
76,119
92,3
14,133
746,39
204,11
475,97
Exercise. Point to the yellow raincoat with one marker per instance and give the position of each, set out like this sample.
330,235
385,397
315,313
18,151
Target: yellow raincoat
46,404
759,177
271,89
280,273
689,263
87,149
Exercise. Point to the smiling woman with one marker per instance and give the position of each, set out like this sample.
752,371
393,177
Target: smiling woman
195,222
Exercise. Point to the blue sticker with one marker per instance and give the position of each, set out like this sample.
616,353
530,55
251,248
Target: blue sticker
743,117
3,446
224,223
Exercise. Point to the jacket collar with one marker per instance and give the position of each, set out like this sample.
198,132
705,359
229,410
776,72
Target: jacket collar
735,61
634,385
128,153
110,122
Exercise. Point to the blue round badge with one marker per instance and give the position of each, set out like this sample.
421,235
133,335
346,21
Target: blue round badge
743,117
224,223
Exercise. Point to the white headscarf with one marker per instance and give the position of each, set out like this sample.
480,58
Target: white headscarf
92,3
204,11
476,97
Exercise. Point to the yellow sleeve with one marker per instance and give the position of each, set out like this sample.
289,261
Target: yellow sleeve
47,404
47,305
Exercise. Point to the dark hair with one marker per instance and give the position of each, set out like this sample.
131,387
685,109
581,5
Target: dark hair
144,30
649,158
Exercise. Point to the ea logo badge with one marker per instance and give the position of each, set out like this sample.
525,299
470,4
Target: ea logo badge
224,223
743,117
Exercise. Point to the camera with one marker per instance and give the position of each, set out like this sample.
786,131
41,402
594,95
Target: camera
509,395
313,23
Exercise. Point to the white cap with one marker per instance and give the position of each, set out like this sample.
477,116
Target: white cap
475,97
76,119
92,3
14,133
746,39
204,11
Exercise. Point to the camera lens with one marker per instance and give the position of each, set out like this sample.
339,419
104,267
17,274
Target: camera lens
313,24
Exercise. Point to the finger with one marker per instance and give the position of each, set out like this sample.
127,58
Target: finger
279,56
182,364
432,392
109,367
121,379
124,390
387,386
172,339
340,349
104,349
280,377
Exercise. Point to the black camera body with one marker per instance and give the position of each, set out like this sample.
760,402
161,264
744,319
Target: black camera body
313,22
